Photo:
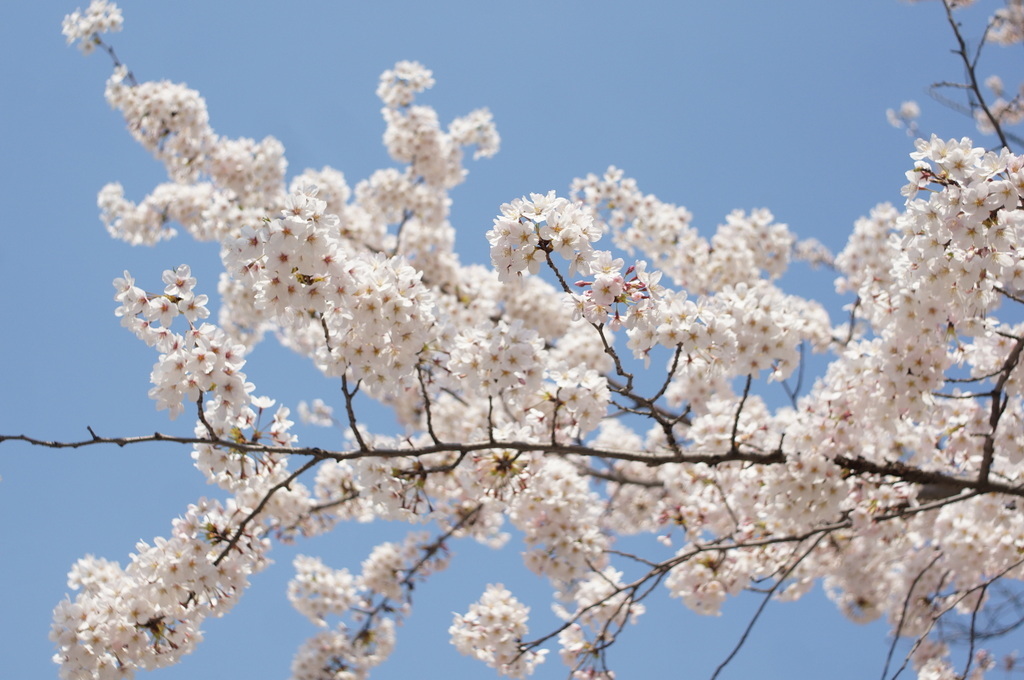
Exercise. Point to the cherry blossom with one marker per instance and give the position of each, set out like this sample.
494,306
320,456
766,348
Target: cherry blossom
608,374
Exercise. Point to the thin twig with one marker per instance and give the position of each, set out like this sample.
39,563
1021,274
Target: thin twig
999,402
233,541
98,41
426,405
353,424
971,638
969,66
794,392
202,417
733,446
903,614
760,609
406,216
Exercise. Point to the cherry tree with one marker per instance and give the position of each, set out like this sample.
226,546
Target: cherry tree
606,376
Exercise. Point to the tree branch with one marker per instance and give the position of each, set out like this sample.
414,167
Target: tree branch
969,65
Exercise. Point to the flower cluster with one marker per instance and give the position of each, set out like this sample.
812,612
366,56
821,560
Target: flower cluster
611,298
476,129
674,321
168,119
148,614
904,117
148,222
492,630
204,360
494,360
338,655
100,17
375,601
575,405
769,328
399,86
558,515
744,248
353,307
250,170
1005,109
1007,27
603,604
316,413
317,590
527,230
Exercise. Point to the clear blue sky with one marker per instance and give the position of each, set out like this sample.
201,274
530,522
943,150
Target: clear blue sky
712,105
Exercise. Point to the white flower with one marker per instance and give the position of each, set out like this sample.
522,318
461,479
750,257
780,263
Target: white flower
491,631
100,17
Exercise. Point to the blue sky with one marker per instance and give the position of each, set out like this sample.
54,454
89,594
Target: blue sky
714,106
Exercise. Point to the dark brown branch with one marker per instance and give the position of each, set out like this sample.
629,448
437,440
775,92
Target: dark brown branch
908,473
98,41
202,417
668,376
350,410
351,496
648,458
426,406
490,419
349,394
970,68
733,446
654,410
619,478
233,541
1011,604
1005,293
851,325
896,470
999,401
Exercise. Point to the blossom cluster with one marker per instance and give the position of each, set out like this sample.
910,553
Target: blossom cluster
495,360
384,587
414,133
527,230
84,27
148,614
202,360
351,306
746,247
492,630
